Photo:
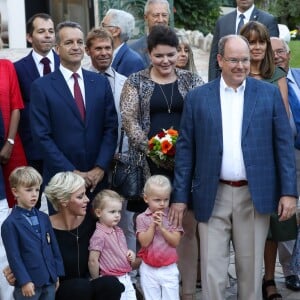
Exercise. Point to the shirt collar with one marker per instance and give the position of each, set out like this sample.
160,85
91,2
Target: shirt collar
247,13
148,212
25,211
37,57
225,87
117,50
105,229
68,73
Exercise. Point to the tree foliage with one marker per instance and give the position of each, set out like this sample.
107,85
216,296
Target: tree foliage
287,11
196,14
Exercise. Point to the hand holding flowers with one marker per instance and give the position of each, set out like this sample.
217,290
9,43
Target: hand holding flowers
162,148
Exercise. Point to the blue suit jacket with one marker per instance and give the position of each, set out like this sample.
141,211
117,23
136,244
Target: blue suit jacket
226,25
296,75
66,141
140,46
31,257
267,148
27,72
127,61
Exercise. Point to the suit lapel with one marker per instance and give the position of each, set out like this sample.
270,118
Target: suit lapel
232,24
214,103
118,57
59,84
255,14
56,60
250,100
25,224
296,75
30,67
89,84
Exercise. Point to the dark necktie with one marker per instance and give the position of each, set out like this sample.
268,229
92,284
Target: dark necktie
46,62
241,23
78,96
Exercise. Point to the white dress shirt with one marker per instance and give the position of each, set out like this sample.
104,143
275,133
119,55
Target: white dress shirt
232,106
37,59
68,75
247,15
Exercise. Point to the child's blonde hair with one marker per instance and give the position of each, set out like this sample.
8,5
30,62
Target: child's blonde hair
25,176
103,197
160,181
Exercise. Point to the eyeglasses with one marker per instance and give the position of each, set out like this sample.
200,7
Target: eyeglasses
106,26
279,52
235,61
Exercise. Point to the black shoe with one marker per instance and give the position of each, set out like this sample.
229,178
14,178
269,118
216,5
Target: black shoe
292,282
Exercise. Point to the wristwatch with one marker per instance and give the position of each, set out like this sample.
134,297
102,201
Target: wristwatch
11,141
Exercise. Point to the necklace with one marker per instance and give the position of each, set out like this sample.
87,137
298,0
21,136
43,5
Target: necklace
169,105
253,73
77,244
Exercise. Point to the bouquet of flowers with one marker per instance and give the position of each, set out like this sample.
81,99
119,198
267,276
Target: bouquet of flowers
162,148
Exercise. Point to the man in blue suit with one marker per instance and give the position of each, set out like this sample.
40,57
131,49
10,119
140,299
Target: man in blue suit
229,24
73,118
41,35
282,57
235,152
156,12
121,25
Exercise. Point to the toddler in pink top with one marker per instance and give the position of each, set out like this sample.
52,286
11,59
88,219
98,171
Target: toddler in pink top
109,254
158,239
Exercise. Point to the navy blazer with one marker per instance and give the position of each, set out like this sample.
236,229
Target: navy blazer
267,146
31,257
226,25
27,72
127,61
66,141
141,47
296,75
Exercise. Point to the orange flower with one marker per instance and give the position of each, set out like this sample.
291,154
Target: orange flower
151,141
172,132
165,146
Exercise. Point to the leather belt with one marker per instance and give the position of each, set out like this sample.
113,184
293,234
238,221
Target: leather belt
234,183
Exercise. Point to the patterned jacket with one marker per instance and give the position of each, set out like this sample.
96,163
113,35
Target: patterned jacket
135,107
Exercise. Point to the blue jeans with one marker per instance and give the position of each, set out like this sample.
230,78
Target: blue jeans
41,293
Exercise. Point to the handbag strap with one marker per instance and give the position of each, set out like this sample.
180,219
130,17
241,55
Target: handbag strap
121,141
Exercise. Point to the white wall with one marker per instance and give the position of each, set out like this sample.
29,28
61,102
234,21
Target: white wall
16,23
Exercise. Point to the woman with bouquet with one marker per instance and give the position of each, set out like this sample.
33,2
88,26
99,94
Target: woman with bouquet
152,100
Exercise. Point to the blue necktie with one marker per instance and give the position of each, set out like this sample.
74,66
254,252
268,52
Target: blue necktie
294,102
241,23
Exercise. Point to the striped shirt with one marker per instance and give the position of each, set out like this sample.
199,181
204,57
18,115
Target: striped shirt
111,244
159,253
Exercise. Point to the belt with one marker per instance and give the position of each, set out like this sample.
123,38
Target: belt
234,183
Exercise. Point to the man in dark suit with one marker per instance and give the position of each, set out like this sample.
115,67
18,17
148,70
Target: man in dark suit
229,24
156,12
235,152
121,25
41,35
73,116
282,55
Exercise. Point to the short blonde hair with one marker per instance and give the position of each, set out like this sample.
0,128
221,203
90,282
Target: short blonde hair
103,197
62,186
159,181
25,176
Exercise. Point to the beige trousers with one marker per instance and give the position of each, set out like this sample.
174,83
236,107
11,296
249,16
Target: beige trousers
234,218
